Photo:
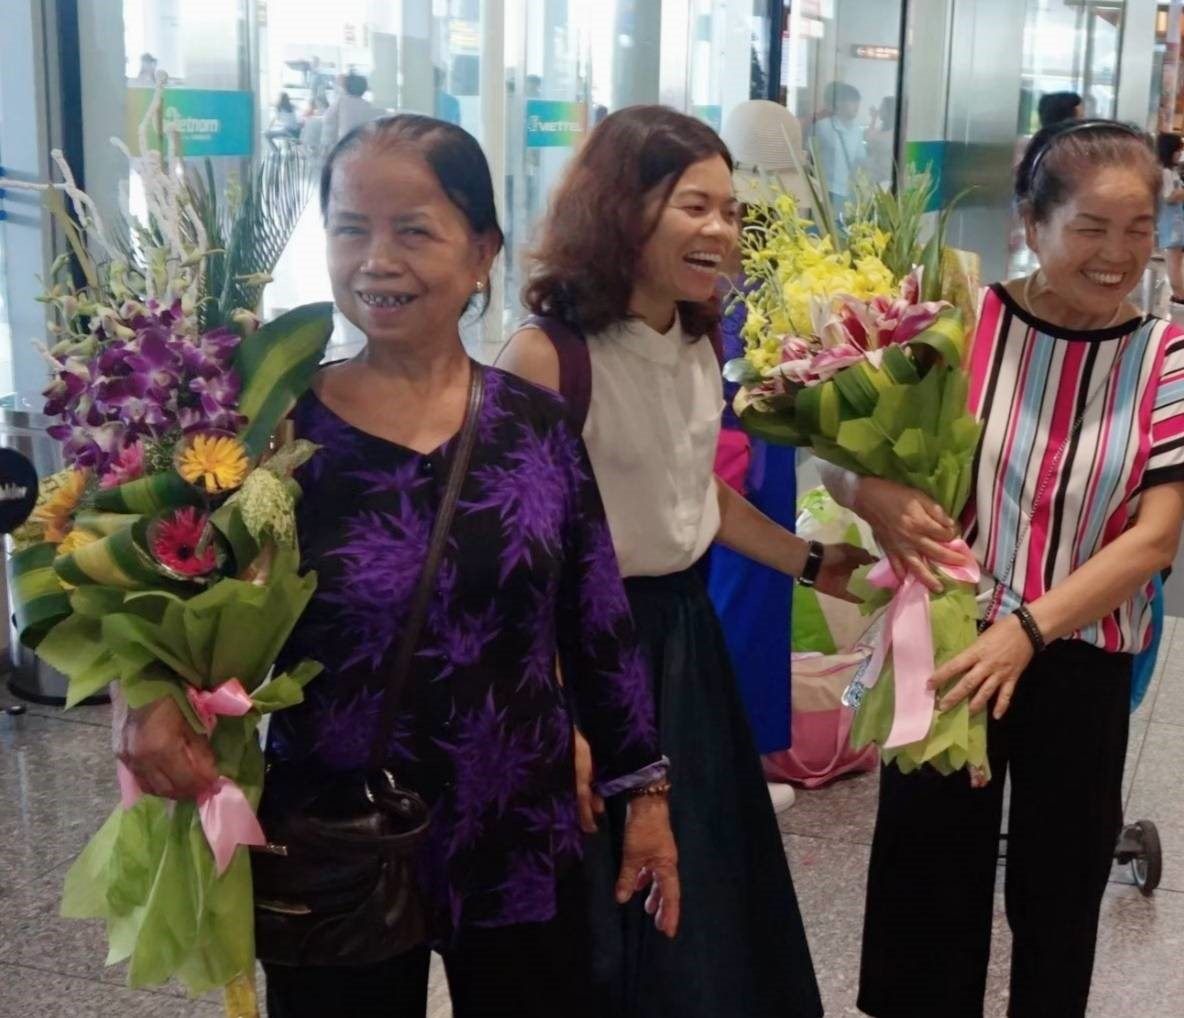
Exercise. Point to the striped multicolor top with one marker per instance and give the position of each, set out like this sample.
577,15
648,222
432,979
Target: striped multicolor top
1029,382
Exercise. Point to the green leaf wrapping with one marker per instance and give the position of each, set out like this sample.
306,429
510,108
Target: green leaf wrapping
906,421
149,871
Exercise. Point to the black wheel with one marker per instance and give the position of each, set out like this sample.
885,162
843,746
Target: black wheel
1147,866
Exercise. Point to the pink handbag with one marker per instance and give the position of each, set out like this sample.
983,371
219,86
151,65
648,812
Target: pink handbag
821,750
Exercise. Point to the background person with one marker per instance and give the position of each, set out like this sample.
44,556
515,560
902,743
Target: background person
285,123
1055,107
754,601
1170,227
349,110
881,142
840,144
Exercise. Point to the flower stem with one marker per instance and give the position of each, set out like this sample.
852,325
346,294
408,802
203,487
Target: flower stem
239,997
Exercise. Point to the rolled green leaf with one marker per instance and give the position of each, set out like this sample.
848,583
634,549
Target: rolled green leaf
276,363
39,600
148,496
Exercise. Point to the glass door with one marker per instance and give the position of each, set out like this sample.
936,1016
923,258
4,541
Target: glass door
840,78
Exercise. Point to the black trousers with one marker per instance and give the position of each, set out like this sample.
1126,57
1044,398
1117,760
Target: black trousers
931,882
530,970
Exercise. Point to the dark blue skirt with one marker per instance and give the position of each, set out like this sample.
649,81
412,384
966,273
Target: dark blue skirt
741,950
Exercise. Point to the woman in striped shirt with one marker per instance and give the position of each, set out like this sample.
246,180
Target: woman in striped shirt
1077,503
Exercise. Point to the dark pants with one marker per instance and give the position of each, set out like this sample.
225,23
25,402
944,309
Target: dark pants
531,970
931,882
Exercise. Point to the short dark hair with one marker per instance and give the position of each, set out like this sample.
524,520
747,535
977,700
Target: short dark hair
453,155
1057,106
1059,156
586,262
840,92
1167,145
356,84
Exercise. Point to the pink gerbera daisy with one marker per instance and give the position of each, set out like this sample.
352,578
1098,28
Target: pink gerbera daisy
177,543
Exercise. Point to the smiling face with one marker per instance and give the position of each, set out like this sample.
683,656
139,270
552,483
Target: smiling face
403,259
697,228
1094,246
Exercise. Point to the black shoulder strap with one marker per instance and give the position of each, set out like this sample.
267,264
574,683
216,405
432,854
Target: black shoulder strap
575,364
409,639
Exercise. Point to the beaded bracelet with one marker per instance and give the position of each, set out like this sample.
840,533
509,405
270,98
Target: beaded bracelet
653,788
1030,628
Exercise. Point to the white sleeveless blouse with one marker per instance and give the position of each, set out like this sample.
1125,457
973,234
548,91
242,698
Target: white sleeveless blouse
651,434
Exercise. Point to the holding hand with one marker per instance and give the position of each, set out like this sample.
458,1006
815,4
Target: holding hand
991,666
590,804
650,858
839,561
161,749
910,527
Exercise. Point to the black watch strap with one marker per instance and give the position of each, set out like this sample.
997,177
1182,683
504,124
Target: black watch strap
813,565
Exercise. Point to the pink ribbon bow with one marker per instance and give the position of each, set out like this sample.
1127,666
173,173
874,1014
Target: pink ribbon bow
908,634
226,817
229,699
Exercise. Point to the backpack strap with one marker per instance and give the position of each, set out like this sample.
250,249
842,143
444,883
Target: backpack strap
575,364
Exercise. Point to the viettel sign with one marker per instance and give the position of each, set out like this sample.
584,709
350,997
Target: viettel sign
555,124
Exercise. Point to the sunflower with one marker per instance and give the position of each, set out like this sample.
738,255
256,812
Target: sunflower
216,463
60,495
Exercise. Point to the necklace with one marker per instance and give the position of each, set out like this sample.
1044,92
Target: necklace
1032,311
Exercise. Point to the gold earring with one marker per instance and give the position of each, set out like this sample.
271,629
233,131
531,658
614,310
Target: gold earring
480,285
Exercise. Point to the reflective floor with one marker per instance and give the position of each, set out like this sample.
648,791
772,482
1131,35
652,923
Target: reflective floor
57,785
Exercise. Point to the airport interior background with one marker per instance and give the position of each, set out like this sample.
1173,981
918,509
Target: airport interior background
947,87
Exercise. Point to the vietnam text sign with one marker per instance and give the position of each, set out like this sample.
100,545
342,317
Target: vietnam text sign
208,122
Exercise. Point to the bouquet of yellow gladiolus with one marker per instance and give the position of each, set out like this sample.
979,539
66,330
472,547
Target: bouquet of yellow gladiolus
853,352
163,560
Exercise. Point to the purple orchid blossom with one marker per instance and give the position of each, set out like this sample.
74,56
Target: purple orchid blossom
161,381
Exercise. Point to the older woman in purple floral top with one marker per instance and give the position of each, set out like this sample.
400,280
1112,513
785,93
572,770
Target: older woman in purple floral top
528,579
529,574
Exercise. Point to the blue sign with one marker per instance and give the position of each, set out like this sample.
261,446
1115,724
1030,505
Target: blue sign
207,122
555,124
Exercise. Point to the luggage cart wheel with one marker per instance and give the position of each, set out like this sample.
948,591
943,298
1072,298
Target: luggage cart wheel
1147,863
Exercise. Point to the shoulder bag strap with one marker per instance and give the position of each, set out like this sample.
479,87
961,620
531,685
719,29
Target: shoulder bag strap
575,363
409,640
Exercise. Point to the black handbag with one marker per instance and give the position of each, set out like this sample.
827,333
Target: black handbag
335,885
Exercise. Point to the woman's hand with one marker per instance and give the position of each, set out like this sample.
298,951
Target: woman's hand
159,747
650,857
590,804
991,666
910,527
839,561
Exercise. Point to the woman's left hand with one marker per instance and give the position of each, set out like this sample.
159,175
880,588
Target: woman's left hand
839,561
650,858
991,666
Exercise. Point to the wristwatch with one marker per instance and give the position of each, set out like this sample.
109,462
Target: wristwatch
813,564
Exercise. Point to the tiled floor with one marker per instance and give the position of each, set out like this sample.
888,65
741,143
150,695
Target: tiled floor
56,787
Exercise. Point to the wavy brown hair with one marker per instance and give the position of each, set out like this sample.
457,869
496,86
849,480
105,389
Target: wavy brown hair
585,265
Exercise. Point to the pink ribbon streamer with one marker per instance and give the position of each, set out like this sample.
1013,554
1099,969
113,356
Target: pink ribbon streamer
228,820
226,817
908,634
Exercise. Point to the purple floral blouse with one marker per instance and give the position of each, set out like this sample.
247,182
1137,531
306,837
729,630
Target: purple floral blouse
529,574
